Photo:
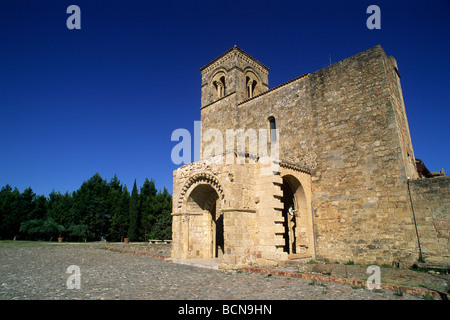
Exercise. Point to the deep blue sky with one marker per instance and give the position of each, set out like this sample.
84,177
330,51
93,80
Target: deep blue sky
106,98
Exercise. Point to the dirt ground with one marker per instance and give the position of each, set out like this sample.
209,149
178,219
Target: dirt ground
431,279
436,280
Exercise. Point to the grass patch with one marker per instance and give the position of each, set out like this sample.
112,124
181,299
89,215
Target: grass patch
399,292
320,284
427,297
22,243
425,270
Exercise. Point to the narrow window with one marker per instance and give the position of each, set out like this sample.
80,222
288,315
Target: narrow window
220,87
273,127
251,85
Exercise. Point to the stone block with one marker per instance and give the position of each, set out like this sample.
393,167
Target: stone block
322,269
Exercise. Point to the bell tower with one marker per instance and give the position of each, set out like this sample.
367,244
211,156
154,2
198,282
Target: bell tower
233,77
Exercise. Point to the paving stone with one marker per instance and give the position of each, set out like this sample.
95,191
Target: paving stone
38,271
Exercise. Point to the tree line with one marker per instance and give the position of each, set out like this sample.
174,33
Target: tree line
99,209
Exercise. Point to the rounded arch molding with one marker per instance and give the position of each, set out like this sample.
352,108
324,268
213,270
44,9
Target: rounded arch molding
217,71
250,72
197,179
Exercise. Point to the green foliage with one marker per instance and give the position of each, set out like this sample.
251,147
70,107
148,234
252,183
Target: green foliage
10,218
79,232
120,216
97,207
42,229
134,215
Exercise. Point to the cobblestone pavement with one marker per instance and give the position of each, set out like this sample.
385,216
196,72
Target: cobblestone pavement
39,271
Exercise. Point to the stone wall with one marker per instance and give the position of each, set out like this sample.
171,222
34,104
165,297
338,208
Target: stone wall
359,186
250,204
345,144
346,124
232,188
431,201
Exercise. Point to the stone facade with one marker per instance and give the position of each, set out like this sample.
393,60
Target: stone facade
430,199
338,188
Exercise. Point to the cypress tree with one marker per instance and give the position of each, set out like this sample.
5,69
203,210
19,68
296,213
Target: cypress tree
147,212
134,214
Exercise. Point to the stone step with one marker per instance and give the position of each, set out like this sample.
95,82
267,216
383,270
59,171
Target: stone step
201,263
294,256
295,261
432,266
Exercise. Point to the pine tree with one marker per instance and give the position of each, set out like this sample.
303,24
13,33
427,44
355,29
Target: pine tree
120,221
58,207
163,225
90,203
10,217
148,199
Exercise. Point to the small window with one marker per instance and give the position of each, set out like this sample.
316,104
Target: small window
273,127
219,85
251,85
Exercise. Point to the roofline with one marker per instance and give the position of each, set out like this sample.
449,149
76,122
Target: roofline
306,74
235,47
274,88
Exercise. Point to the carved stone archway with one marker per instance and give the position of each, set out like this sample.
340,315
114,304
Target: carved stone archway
198,227
200,178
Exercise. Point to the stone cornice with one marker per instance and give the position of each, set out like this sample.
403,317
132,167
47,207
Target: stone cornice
233,52
293,167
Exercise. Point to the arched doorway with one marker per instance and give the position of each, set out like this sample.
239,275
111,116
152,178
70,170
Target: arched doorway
289,221
206,234
294,213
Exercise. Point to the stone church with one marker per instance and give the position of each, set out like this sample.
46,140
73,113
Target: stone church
343,186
